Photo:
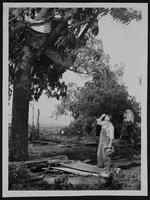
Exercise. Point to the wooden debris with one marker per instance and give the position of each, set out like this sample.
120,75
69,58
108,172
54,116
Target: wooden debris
127,164
45,142
75,171
41,142
77,180
37,177
93,144
86,160
83,167
39,161
58,160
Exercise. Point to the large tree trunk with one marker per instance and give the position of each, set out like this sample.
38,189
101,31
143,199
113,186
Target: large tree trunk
19,130
18,144
21,94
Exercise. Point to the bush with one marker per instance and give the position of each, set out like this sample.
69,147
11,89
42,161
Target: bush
81,126
75,128
18,177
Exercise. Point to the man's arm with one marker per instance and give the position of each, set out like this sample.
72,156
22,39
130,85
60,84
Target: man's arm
99,121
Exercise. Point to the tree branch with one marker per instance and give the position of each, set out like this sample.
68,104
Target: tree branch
75,71
85,30
59,29
57,58
66,62
87,26
42,13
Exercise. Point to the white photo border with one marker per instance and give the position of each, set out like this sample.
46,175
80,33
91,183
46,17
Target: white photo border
144,176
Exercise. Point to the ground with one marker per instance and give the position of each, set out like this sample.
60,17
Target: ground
84,149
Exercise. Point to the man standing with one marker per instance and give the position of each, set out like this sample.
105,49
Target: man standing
105,140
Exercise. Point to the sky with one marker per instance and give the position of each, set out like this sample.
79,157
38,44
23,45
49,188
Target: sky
125,44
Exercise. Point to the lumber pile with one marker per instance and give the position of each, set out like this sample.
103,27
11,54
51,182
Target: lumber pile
49,169
78,172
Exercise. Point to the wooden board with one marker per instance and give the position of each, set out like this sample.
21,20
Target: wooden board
39,161
75,171
83,167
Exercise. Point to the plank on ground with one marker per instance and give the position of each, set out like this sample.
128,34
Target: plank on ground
39,161
75,171
83,167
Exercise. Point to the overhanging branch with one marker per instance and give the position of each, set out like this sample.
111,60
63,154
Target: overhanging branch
66,62
75,71
42,13
88,26
58,59
59,29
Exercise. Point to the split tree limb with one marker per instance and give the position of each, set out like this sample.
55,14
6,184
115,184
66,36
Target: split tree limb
42,13
75,71
57,58
58,30
87,27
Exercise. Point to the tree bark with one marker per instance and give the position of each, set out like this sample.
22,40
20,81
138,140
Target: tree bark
21,95
19,131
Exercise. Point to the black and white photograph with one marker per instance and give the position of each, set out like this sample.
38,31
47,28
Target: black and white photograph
75,99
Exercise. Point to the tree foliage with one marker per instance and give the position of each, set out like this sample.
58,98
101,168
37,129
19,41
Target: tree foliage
103,93
80,24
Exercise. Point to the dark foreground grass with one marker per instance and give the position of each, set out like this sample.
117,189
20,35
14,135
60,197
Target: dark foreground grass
19,179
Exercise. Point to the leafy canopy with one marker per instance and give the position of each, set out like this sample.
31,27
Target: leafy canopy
78,25
104,92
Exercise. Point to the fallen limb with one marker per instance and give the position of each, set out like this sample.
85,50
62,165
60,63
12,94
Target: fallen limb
78,165
39,161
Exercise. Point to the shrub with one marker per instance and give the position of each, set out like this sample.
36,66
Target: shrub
18,177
